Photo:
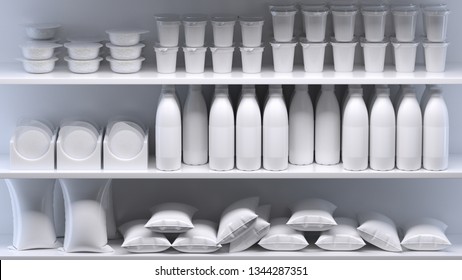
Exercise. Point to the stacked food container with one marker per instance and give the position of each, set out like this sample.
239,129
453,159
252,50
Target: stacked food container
39,53
435,27
252,46
223,49
168,32
344,43
83,56
125,47
194,49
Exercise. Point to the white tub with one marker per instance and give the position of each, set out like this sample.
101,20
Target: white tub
405,20
251,59
314,19
283,56
313,55
435,56
374,55
223,30
344,55
166,59
436,23
222,59
125,37
37,50
83,66
344,18
83,51
42,31
168,29
125,53
374,18
252,29
194,59
405,55
125,66
194,30
283,22
39,66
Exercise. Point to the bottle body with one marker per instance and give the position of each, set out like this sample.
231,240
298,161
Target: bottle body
327,129
409,134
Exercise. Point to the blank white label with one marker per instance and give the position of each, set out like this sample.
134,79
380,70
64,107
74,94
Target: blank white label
355,142
221,141
248,142
382,142
436,140
276,142
409,144
168,142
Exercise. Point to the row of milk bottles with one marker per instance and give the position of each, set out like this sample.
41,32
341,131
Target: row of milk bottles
380,137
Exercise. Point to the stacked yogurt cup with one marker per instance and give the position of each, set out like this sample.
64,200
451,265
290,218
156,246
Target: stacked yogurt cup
125,48
83,56
194,49
283,44
435,18
166,49
39,55
252,46
223,49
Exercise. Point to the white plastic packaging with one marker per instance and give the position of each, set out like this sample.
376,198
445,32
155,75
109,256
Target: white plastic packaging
405,55
39,66
382,132
201,239
374,18
194,58
168,29
138,239
222,59
283,56
374,55
281,237
125,53
327,128
37,50
283,22
350,89
125,66
171,217
435,56
42,31
312,214
344,55
168,131
125,37
355,133
166,59
83,66
83,51
405,21
426,96
194,30
425,234
344,18
275,131
436,22
301,127
436,132
252,29
33,223
223,30
251,59
195,127
315,19
313,55
248,131
221,131
409,132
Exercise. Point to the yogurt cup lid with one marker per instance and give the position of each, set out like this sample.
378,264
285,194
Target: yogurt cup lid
126,139
410,8
397,43
167,17
223,18
139,45
68,59
53,59
43,25
335,42
304,41
32,141
111,59
159,48
222,49
315,8
374,9
363,42
427,43
436,11
251,19
344,8
40,45
78,141
83,45
195,18
252,49
126,31
194,49
85,39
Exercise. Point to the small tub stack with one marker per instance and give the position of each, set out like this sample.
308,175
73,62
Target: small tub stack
168,32
83,56
435,46
194,49
125,47
223,49
39,53
252,46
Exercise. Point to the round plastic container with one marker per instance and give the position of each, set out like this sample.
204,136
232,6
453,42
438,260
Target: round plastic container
223,30
166,59
251,28
283,56
168,29
344,18
83,51
122,132
436,23
39,66
125,53
405,55
315,18
42,31
194,30
283,22
251,59
194,59
222,59
313,55
36,50
405,20
125,66
32,140
125,38
83,66
344,55
374,18
435,56
78,139
374,55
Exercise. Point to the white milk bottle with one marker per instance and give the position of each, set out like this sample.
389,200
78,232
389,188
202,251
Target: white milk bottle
351,89
374,96
425,96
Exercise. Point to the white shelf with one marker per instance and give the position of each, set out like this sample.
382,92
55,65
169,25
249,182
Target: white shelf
310,253
12,73
313,171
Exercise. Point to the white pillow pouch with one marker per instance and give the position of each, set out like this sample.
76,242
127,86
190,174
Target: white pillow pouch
171,218
85,202
379,230
201,239
237,219
312,214
138,239
342,237
426,234
257,231
283,238
33,223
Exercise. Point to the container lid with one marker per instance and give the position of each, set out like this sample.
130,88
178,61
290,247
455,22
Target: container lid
78,140
111,59
334,42
194,49
40,45
275,43
305,43
127,31
82,45
346,9
436,10
53,59
167,18
404,9
43,25
396,43
126,139
68,59
427,43
383,43
223,18
194,18
252,49
315,8
283,10
85,39
374,9
159,48
221,49
251,20
139,45
32,141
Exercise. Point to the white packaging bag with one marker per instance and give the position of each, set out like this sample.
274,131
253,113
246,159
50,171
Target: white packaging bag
138,239
171,218
379,230
426,234
201,239
281,237
342,237
312,214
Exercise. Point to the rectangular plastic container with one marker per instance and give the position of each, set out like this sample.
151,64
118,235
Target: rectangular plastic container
313,55
283,56
374,55
405,55
222,59
223,30
405,20
314,19
283,22
166,59
344,18
435,56
436,23
374,18
344,55
168,30
251,59
252,29
194,59
194,30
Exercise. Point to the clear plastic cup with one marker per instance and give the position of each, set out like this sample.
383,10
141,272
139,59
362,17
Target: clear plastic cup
435,56
433,6
283,22
374,18
405,20
344,17
405,55
251,59
194,58
168,29
283,56
313,55
374,55
315,18
222,59
344,55
251,28
223,30
436,23
166,59
194,30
